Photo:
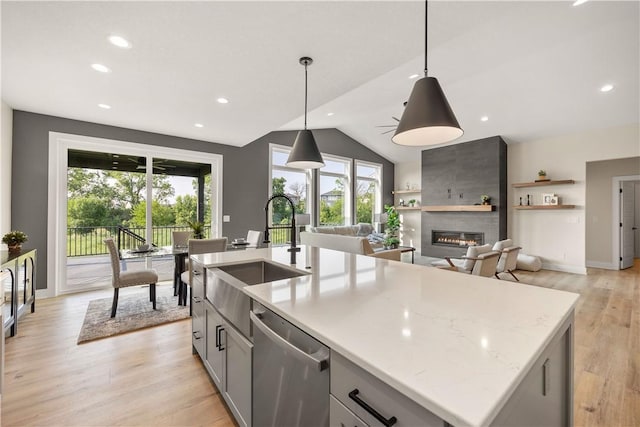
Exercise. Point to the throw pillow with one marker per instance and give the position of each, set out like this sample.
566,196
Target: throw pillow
501,244
365,229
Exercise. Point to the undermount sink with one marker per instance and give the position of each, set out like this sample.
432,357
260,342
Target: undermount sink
253,273
224,285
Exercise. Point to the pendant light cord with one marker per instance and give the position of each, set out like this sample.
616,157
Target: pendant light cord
426,16
305,96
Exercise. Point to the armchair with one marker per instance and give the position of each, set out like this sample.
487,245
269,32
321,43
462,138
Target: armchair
508,257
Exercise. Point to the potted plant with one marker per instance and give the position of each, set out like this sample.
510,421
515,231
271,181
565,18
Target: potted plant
197,228
542,175
412,202
14,240
486,200
391,239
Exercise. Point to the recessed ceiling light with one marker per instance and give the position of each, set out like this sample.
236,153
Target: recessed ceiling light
222,101
579,2
199,125
101,68
116,155
414,76
330,114
120,42
115,163
105,106
606,88
484,118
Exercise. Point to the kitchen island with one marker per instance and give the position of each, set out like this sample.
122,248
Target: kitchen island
464,348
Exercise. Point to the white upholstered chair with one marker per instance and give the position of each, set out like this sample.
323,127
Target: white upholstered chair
479,261
180,239
123,279
508,257
198,246
253,238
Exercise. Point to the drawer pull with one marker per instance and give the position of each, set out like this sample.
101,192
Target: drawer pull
219,329
546,380
197,299
387,422
196,335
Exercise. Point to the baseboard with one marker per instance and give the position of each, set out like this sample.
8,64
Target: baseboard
565,268
44,293
605,265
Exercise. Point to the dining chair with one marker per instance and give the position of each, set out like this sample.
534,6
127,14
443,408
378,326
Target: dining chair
253,238
197,246
123,279
179,239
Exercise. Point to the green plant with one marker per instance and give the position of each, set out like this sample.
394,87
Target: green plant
542,172
197,228
14,237
412,202
391,239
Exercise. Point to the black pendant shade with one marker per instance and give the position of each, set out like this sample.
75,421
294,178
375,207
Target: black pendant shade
428,118
305,153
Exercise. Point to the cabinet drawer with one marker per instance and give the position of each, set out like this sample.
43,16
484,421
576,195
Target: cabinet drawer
198,334
340,416
355,388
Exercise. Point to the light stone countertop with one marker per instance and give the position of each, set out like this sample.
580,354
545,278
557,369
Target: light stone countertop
456,344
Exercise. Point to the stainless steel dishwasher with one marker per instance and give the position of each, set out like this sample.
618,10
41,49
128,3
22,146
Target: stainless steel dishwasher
290,373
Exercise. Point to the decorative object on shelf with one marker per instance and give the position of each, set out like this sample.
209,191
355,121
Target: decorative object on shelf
401,202
486,200
427,118
542,175
546,198
408,186
412,202
305,153
520,201
528,200
391,239
197,228
553,200
14,240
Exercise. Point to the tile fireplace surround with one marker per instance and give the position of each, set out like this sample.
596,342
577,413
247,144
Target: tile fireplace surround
459,175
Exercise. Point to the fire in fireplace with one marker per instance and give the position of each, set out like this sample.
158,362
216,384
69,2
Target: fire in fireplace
456,238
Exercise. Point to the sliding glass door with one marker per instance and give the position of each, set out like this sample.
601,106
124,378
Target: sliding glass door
134,197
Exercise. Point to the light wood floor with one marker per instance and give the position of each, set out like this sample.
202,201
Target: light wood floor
151,378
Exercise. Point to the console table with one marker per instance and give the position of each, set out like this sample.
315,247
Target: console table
18,286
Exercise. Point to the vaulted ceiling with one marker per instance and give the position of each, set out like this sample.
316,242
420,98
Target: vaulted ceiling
535,69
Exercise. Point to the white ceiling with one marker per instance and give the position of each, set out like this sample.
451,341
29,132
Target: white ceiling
535,68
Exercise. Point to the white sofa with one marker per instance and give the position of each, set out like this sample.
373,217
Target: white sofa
357,230
352,244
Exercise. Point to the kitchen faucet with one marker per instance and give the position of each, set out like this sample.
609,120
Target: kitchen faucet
293,249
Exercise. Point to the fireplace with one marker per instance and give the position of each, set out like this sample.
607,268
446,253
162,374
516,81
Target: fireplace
456,238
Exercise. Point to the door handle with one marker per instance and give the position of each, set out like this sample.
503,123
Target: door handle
219,330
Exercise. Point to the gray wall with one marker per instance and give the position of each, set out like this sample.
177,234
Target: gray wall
458,175
598,206
245,171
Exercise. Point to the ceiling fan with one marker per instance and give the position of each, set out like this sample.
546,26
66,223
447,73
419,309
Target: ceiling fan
390,126
157,164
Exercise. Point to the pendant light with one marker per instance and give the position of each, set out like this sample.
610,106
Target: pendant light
427,118
305,153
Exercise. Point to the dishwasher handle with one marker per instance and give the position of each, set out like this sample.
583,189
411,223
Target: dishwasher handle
319,358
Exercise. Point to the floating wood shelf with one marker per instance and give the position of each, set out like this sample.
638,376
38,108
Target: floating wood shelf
525,207
542,183
417,190
459,208
407,208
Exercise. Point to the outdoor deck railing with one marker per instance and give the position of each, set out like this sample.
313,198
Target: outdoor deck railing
83,241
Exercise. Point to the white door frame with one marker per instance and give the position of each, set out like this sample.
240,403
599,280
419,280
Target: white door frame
59,145
615,216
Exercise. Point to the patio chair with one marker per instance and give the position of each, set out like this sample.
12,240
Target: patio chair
124,279
198,246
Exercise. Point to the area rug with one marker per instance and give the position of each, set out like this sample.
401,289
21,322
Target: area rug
135,312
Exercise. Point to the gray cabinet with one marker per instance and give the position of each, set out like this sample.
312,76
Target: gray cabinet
545,395
224,351
18,286
341,416
371,400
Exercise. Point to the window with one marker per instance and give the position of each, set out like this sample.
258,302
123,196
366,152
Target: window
335,191
368,197
293,183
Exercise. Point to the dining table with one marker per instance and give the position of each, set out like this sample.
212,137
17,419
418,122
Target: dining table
179,253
